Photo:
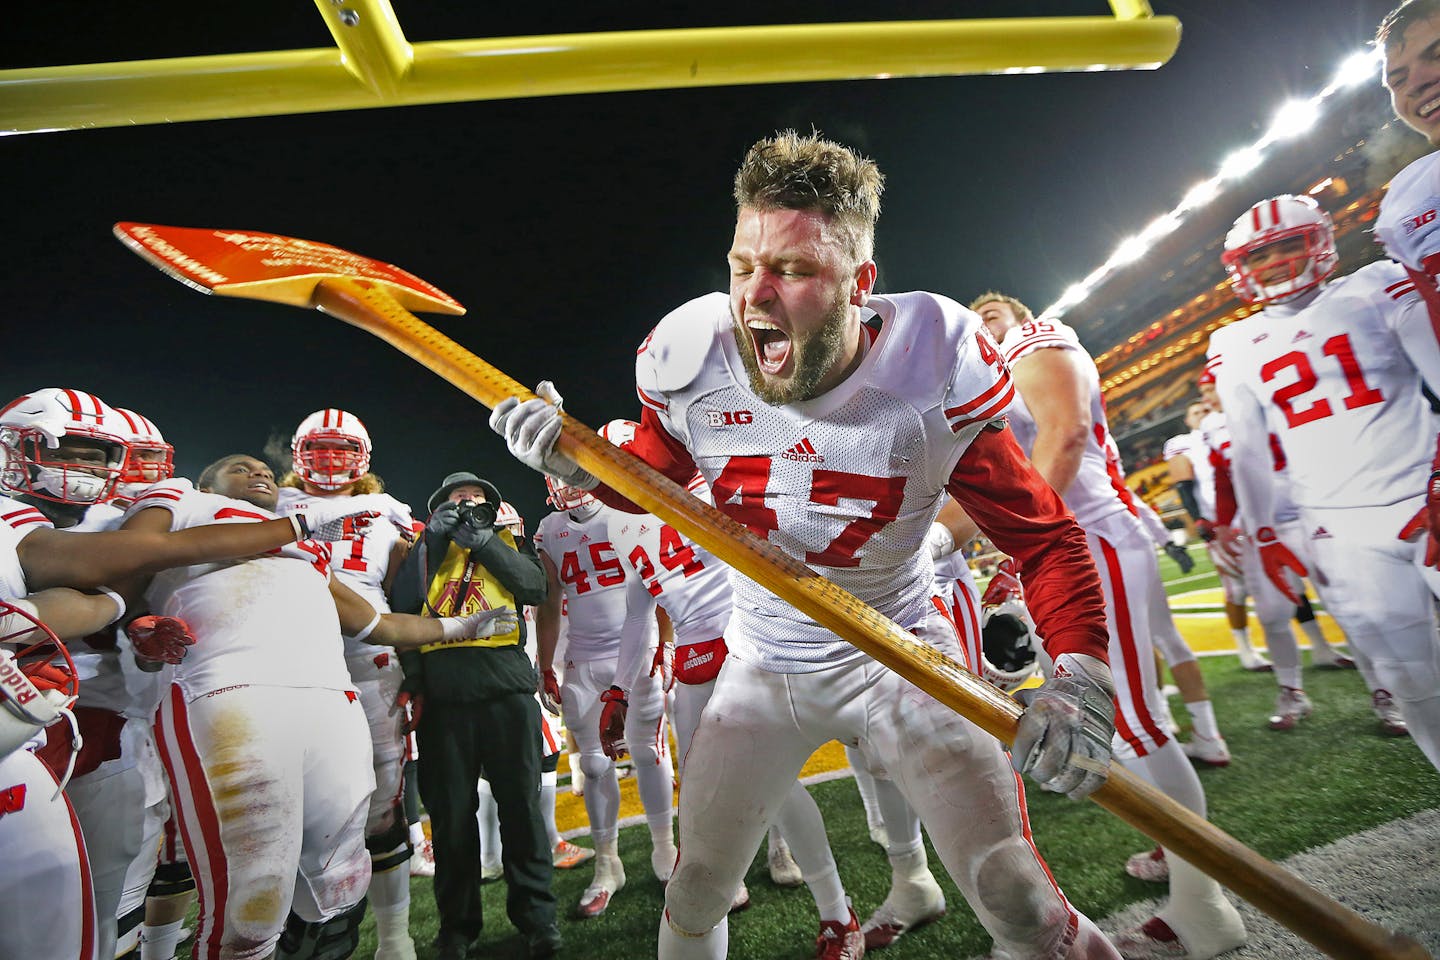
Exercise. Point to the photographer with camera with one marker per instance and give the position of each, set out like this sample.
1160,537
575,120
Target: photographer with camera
474,708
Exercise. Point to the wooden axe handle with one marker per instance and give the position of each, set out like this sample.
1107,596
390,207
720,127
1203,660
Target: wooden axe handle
1331,927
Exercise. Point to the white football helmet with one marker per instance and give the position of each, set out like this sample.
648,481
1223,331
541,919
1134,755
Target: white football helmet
1272,221
508,517
149,458
1007,652
331,448
31,430
619,432
26,707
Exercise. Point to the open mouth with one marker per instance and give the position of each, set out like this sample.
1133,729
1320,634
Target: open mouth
1428,108
772,346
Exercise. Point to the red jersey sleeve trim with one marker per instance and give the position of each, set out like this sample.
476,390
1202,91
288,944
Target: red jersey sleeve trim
658,448
1005,495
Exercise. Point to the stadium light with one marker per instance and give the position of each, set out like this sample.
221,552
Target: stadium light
1292,119
1356,69
1200,194
1241,162
1130,250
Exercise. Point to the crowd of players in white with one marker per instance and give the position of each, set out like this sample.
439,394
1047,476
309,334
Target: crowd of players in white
864,435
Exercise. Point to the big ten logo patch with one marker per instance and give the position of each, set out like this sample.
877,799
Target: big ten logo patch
1419,220
12,799
729,418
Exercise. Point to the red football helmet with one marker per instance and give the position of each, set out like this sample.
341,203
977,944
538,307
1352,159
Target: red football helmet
1273,221
35,689
565,497
32,429
149,458
331,449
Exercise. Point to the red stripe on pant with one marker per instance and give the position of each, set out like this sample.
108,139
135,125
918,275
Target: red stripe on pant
195,810
1074,921
1135,682
87,887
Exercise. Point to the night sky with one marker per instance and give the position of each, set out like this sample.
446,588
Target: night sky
569,226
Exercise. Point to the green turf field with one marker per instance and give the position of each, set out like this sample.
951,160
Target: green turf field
1285,792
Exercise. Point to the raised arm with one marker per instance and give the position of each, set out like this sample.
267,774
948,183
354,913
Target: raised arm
54,558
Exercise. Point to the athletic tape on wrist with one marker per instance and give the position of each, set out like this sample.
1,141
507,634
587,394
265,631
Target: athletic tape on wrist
119,603
302,529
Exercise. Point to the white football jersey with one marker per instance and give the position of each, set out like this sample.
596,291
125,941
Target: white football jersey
268,620
847,483
363,564
1099,489
1192,447
17,521
1336,377
109,677
1408,226
669,569
593,579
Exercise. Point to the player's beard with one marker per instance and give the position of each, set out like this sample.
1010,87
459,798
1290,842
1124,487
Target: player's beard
814,357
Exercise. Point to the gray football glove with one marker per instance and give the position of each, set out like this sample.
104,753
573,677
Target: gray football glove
530,430
1063,741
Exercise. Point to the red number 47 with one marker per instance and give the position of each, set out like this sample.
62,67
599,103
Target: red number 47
740,493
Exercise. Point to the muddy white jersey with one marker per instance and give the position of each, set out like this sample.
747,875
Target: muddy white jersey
1336,377
847,483
1099,489
17,520
1192,447
667,568
593,580
363,564
268,620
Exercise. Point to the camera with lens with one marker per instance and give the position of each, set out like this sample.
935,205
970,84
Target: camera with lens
481,515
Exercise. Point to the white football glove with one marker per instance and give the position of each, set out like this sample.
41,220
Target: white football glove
530,430
482,623
1063,741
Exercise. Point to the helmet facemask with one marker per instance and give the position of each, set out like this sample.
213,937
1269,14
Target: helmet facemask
35,466
38,682
1296,221
331,449
570,499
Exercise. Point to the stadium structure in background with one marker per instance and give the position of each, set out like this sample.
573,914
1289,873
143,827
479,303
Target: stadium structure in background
1148,323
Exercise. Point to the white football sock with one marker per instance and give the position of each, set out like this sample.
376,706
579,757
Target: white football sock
1202,718
488,818
547,807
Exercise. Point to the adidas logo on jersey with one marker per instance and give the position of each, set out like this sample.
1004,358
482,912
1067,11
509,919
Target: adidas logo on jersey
1300,335
1320,534
1258,338
585,538
804,452
643,528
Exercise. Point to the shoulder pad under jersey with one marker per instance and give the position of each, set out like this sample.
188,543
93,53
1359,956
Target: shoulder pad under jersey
674,353
1035,335
1380,282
